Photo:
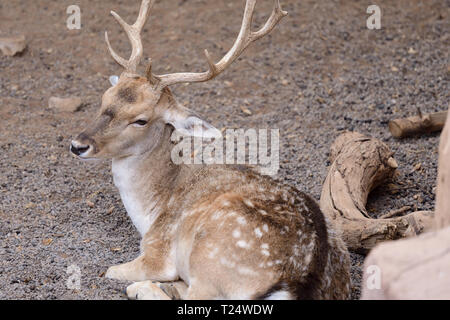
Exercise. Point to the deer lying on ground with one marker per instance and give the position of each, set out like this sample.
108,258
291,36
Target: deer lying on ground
224,232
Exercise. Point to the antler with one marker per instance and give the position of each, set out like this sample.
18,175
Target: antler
244,39
133,33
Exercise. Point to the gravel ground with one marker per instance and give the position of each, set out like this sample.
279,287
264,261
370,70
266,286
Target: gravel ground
319,73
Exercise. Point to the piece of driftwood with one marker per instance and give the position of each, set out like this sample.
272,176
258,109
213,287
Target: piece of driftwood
417,268
359,164
418,124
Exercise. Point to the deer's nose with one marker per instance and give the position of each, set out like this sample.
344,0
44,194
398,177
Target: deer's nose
78,148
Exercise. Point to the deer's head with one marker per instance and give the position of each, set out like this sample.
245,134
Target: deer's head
136,109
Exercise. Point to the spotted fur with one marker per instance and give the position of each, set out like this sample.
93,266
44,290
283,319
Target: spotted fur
225,231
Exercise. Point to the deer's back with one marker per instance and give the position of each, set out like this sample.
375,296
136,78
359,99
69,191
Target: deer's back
241,224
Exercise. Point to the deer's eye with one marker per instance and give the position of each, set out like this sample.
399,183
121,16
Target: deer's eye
140,123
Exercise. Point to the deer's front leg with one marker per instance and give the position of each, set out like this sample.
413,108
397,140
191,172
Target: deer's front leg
155,263
135,270
147,290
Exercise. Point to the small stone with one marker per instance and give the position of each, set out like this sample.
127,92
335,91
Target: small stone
47,241
12,45
30,205
65,104
394,68
417,166
90,203
246,111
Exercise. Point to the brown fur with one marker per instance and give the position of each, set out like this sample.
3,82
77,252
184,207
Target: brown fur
226,231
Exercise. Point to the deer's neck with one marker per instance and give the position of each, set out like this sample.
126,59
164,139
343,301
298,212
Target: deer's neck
143,181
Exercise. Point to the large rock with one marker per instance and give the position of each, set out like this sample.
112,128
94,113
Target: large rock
443,183
416,268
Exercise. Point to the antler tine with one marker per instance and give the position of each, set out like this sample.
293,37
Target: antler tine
244,39
134,35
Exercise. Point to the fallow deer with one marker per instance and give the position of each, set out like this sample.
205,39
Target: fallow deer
226,232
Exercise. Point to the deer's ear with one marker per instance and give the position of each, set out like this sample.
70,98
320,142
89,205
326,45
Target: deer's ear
191,125
113,80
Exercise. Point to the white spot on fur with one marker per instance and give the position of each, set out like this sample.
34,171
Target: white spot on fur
296,250
227,263
294,262
263,212
308,258
217,215
265,252
280,295
258,232
241,220
243,244
265,246
213,253
265,227
246,271
226,203
248,203
236,233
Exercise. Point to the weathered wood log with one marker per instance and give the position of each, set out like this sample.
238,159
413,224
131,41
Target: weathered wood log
427,123
417,268
359,164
